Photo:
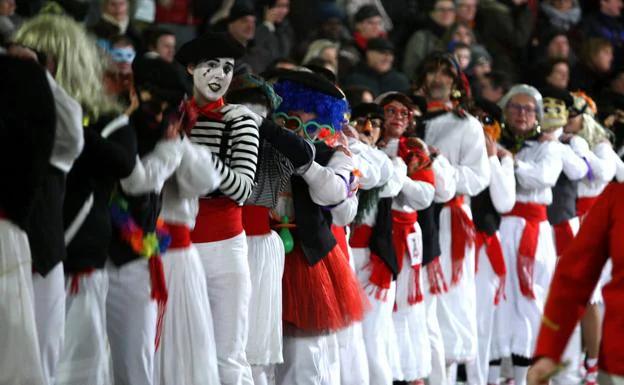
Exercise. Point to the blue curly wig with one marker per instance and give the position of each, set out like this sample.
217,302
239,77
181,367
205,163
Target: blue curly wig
297,97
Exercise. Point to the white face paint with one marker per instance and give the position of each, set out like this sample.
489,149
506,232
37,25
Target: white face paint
212,77
258,109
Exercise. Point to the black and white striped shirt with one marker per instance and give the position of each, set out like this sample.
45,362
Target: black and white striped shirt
237,165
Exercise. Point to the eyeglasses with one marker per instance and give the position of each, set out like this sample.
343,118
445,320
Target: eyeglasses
518,108
402,113
123,55
313,131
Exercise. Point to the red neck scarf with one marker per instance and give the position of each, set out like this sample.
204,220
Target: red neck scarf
437,105
211,109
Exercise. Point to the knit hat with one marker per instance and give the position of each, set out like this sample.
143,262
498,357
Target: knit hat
329,10
525,89
159,77
209,46
380,44
366,12
240,9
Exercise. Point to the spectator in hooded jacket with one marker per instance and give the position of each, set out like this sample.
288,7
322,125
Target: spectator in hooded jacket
429,39
367,24
607,24
376,72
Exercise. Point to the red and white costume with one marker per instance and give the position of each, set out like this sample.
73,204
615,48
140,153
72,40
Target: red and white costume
461,141
187,354
490,267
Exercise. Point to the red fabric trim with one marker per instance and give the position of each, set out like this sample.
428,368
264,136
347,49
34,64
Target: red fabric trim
360,236
159,292
180,236
494,252
463,236
256,220
341,239
424,176
218,219
533,214
437,285
402,227
563,236
74,286
583,205
210,110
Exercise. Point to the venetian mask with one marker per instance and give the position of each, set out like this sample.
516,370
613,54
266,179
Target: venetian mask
212,78
555,114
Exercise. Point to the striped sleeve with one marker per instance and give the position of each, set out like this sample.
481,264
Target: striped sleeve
237,178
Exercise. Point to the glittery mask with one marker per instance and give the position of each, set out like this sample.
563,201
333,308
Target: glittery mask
555,114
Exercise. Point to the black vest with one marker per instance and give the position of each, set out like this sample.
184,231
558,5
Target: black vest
428,221
313,221
563,206
484,215
45,230
381,239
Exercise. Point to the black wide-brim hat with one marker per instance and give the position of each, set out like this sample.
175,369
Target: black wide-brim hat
367,110
311,80
209,46
490,108
558,94
159,77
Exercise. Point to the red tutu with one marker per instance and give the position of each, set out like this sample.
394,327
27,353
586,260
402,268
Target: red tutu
321,298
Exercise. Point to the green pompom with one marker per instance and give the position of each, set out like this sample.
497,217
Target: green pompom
286,236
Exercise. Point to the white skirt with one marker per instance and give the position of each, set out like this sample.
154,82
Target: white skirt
457,308
85,358
519,318
20,362
377,326
266,267
605,277
187,353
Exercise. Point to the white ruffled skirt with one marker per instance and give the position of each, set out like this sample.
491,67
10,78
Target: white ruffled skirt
187,353
266,266
20,361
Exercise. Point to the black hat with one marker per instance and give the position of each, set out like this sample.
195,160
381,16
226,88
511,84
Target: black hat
239,10
159,77
311,80
420,102
210,45
324,72
558,94
366,12
367,110
380,44
490,108
327,10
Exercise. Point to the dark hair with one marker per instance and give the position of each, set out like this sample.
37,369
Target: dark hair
121,40
499,79
248,96
355,94
397,97
548,66
445,61
153,34
594,45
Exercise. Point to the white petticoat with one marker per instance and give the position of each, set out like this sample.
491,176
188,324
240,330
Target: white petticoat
377,325
20,362
85,358
605,277
187,353
266,266
519,318
457,309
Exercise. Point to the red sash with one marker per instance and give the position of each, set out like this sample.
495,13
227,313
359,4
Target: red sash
74,286
180,236
360,236
494,252
462,236
435,275
583,205
533,214
218,219
402,227
256,220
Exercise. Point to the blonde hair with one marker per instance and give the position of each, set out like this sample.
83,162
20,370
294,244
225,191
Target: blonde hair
79,64
316,49
593,132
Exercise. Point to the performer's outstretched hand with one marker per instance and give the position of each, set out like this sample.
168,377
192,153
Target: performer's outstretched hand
541,372
233,111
